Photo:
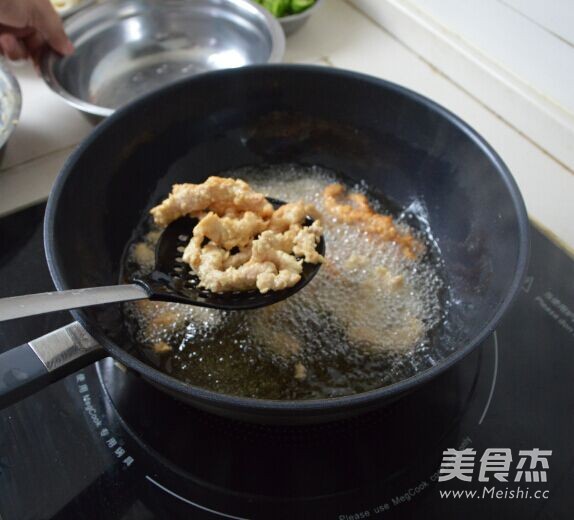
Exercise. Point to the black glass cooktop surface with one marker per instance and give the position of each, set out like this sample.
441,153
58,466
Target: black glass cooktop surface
103,444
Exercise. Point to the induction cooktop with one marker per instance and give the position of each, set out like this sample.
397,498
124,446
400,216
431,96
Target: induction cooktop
493,437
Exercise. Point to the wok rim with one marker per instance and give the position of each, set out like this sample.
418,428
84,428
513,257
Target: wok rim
248,404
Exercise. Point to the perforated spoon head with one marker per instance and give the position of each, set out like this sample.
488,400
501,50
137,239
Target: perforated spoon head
174,281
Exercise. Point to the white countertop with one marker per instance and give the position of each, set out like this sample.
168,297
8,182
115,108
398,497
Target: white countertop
339,35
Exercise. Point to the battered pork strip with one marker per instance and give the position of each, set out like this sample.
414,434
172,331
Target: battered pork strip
240,243
383,333
354,208
219,194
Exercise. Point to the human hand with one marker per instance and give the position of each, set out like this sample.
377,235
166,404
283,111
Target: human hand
28,26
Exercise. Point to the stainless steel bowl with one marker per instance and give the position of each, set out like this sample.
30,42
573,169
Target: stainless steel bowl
10,104
294,22
127,48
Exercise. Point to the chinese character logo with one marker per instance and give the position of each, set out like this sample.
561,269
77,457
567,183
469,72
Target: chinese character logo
496,461
457,464
537,457
495,464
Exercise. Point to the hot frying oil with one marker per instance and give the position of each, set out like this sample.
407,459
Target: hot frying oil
365,321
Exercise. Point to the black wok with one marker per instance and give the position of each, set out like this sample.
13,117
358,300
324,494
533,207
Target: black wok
399,142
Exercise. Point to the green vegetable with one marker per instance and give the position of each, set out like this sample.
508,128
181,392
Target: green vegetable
286,7
276,7
300,5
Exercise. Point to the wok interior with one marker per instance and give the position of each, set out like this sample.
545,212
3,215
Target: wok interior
362,129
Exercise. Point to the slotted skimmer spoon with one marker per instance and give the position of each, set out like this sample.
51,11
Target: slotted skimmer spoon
171,281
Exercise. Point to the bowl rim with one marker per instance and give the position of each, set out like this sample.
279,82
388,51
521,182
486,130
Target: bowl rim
50,58
13,121
82,4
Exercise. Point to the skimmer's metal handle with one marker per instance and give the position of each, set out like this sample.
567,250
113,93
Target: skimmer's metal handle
31,304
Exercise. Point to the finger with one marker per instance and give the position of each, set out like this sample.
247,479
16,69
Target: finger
19,33
45,19
35,45
12,47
